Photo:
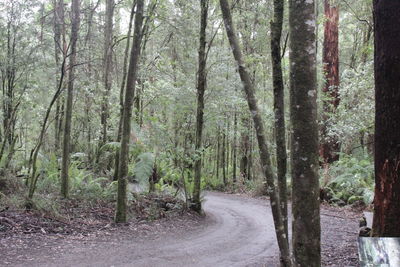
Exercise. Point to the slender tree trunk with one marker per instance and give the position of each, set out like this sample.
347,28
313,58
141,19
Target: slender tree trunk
304,150
201,87
75,21
107,66
58,49
244,150
234,148
218,153
387,119
329,146
259,126
279,107
223,158
122,90
120,215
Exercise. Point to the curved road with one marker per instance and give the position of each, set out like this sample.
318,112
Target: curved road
239,232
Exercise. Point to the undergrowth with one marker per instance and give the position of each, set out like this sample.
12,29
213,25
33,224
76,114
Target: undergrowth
350,180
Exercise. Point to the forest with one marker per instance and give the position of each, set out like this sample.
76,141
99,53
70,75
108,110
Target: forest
198,133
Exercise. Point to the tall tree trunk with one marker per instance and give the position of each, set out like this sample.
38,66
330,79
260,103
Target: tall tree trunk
201,87
75,21
234,178
223,157
259,126
304,149
329,146
218,153
120,215
59,32
244,150
122,90
279,107
107,65
387,119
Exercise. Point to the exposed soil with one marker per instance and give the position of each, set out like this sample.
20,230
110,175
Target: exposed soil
236,231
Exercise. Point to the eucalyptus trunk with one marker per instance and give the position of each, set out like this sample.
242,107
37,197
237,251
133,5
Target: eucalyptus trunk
304,145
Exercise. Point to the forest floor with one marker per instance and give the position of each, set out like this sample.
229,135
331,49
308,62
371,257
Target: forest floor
236,231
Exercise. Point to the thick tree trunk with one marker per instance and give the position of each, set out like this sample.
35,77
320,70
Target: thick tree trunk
75,21
259,126
120,215
304,148
279,107
329,146
107,65
201,87
387,119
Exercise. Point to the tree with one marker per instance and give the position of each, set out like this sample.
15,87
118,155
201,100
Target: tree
304,145
259,126
279,107
329,146
122,90
107,65
120,215
387,119
75,21
201,87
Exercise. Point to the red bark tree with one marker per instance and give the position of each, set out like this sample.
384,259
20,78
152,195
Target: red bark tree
329,145
387,118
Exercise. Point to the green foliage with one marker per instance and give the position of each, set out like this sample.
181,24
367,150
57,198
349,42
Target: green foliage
143,168
353,180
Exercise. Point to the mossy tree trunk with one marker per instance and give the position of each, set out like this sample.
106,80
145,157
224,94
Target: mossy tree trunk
304,145
122,90
121,212
201,87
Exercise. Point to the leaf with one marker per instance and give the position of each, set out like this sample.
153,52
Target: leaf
144,167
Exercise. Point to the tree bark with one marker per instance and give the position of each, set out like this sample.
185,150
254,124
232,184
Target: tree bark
122,90
120,215
201,87
259,126
304,147
279,107
234,178
107,65
387,119
75,21
329,146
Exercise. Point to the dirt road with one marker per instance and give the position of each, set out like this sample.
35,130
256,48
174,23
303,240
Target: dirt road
237,232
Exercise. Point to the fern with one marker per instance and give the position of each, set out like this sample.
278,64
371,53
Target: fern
144,167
